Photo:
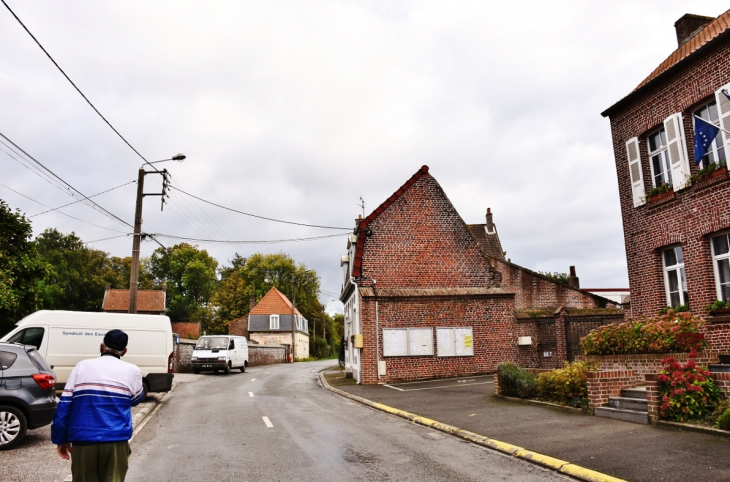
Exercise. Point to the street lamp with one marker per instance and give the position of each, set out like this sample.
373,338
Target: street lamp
134,269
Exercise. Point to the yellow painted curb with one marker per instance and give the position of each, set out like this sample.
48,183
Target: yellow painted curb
587,474
546,461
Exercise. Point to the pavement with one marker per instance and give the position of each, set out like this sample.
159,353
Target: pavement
604,448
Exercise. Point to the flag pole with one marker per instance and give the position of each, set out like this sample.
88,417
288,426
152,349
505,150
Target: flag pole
708,122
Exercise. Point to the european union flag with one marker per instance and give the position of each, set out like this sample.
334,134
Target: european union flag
705,133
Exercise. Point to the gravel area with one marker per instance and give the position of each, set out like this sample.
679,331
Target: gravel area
36,460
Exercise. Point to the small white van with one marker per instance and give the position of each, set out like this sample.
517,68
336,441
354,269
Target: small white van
64,338
220,352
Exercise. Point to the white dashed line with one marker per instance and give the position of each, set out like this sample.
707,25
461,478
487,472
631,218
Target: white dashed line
268,422
250,394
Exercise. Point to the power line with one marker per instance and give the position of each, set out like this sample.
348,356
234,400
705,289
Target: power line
94,195
75,87
270,241
59,212
105,239
256,215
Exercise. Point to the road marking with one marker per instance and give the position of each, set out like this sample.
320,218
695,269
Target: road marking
250,394
268,422
436,388
253,379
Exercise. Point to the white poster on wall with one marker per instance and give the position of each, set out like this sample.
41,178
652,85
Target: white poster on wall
420,341
395,342
455,341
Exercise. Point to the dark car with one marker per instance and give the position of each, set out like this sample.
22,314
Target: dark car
27,397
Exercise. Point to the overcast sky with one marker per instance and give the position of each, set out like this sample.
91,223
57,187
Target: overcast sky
293,110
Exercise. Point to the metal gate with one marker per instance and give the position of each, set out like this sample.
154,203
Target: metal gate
547,339
576,327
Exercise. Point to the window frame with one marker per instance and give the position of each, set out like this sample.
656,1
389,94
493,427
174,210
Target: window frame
663,152
274,322
718,144
680,267
715,259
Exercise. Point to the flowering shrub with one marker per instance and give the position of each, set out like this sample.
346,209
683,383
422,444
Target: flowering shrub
722,415
567,385
687,391
669,333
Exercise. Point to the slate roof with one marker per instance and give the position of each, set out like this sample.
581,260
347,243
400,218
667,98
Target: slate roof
274,303
714,30
147,301
489,243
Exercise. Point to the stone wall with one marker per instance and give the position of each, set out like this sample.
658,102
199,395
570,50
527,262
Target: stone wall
257,355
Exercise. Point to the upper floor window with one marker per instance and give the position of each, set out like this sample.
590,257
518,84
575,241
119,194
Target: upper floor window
721,257
273,322
716,152
661,168
675,281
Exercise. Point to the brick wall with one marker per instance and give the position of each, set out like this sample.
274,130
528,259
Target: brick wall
609,383
692,214
533,290
239,327
717,333
722,380
642,365
186,330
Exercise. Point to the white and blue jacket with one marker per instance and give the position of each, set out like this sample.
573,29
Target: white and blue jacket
96,404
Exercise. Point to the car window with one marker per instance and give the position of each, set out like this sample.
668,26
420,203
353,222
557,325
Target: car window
33,337
38,361
231,346
18,337
7,359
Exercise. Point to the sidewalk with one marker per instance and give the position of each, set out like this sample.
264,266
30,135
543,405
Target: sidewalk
641,453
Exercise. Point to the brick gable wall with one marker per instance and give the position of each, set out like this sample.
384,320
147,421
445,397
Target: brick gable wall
693,213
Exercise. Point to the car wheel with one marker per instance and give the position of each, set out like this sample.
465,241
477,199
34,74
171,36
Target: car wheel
227,370
243,367
145,389
13,426
196,371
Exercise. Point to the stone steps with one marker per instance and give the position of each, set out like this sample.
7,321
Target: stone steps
631,406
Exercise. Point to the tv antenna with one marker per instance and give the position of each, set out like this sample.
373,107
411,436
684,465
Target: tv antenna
362,205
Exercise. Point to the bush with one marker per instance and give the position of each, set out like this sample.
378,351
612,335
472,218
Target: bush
669,333
567,385
687,391
515,381
720,418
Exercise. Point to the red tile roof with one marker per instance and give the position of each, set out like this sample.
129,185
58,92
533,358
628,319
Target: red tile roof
147,301
362,228
489,243
711,32
274,303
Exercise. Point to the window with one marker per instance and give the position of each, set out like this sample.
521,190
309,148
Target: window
674,278
7,359
661,169
273,322
716,153
721,257
29,336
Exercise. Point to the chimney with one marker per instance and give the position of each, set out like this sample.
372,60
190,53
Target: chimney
164,286
490,223
690,25
573,280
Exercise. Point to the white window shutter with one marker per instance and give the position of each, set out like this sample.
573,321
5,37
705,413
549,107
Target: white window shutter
677,150
723,111
635,172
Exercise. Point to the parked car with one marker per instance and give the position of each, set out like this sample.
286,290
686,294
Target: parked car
27,395
220,352
64,338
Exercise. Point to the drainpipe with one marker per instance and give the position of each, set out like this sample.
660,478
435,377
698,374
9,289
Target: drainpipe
377,333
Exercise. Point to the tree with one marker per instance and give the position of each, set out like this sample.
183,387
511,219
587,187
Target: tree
119,269
561,278
21,269
190,274
77,275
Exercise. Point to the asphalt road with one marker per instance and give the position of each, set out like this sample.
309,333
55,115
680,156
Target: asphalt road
277,423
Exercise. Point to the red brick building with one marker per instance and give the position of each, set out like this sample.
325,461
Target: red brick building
676,241
424,298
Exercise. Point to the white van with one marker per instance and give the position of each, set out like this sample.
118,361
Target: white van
64,338
220,352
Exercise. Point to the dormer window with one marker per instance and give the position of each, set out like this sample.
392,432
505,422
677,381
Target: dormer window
273,322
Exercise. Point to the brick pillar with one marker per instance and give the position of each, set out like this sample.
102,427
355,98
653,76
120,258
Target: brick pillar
496,383
652,396
606,384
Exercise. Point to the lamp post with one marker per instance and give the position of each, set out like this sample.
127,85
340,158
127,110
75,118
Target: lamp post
134,268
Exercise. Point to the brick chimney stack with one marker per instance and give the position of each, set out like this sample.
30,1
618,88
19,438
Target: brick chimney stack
573,280
490,223
690,25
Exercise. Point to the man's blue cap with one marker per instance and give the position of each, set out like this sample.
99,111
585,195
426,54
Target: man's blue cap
116,340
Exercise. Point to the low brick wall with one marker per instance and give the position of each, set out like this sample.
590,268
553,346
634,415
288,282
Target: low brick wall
717,333
609,383
258,355
646,364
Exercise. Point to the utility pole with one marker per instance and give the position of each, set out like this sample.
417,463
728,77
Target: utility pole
134,269
293,326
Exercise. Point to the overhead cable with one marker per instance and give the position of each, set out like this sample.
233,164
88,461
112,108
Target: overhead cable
270,241
80,200
105,239
256,215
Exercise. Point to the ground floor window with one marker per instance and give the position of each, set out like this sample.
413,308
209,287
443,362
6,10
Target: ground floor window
721,258
675,280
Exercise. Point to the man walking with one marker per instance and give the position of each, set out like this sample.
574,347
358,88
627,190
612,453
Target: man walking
93,421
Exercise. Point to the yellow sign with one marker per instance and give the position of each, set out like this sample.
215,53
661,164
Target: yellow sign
468,343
